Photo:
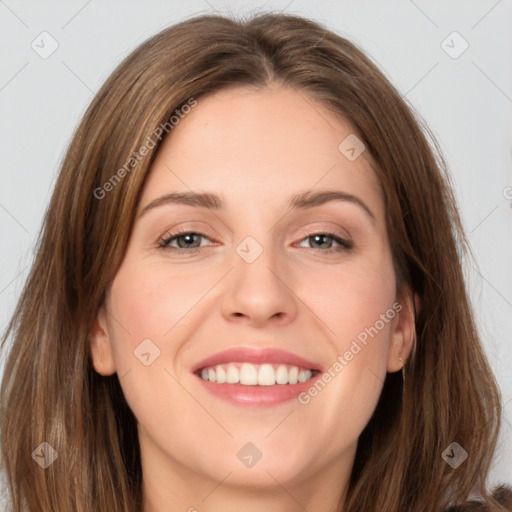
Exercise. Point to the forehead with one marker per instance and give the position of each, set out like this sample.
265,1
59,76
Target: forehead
259,147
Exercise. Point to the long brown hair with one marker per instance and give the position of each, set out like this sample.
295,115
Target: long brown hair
50,391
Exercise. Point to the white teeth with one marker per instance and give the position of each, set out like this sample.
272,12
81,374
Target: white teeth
304,375
232,375
266,375
293,375
249,374
221,374
282,375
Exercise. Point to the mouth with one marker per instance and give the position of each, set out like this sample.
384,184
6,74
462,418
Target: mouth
248,374
256,377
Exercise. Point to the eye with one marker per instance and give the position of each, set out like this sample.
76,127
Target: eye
325,241
187,241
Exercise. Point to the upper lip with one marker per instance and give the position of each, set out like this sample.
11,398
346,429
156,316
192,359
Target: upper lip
256,356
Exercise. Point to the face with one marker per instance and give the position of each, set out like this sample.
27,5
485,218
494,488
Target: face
297,284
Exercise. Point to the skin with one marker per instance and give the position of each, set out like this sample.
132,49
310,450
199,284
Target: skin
254,149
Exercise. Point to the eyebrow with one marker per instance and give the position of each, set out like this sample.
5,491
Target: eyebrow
301,201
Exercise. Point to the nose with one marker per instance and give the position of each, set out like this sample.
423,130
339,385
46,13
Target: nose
260,291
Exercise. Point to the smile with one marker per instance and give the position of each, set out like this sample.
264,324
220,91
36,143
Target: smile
256,376
248,374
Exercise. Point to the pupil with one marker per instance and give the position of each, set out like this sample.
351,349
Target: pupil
319,237
187,239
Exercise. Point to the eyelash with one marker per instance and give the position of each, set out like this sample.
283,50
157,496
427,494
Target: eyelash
344,245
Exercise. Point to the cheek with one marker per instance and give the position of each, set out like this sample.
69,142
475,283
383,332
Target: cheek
148,310
149,301
153,313
357,310
350,298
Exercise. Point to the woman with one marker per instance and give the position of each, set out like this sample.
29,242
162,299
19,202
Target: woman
312,348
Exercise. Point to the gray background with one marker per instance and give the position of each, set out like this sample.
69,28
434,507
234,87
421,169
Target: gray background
467,102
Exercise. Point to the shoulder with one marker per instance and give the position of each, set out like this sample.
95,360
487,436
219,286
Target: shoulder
502,494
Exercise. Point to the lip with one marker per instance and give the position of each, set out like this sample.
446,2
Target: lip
256,356
257,396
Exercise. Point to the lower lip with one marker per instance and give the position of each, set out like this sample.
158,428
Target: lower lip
258,396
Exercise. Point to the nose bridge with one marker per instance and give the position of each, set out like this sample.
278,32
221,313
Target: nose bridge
258,287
